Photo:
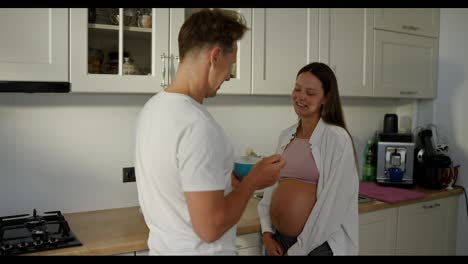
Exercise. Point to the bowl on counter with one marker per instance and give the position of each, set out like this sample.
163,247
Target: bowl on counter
243,165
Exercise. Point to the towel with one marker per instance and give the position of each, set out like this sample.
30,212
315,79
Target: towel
388,194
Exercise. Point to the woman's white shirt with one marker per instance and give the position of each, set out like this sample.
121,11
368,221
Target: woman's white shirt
334,218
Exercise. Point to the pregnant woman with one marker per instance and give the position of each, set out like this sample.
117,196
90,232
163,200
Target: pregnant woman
313,209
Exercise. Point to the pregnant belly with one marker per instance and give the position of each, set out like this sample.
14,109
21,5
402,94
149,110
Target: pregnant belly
291,203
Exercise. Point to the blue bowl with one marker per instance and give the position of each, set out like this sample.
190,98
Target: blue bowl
243,165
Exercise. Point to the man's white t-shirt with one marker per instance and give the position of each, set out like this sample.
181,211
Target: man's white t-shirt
180,148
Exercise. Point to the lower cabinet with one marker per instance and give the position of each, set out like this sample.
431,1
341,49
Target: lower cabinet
132,253
377,232
249,244
426,228
135,253
142,253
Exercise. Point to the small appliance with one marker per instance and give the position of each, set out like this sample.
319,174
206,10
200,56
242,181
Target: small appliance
390,123
429,165
395,154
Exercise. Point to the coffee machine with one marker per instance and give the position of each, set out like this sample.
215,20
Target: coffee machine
395,159
428,163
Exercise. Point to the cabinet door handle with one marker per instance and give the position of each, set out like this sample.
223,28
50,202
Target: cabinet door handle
408,92
431,206
410,27
163,71
176,66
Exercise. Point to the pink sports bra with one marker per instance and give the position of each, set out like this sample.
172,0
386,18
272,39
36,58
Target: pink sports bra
300,163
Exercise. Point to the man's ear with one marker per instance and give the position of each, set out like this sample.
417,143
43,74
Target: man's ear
214,54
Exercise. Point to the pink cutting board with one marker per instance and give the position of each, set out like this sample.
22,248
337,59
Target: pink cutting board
387,194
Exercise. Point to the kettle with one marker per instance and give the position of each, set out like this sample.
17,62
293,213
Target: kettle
390,123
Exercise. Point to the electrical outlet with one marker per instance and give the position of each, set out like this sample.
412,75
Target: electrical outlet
129,174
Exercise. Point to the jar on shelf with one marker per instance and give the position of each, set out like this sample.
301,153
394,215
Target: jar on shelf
128,68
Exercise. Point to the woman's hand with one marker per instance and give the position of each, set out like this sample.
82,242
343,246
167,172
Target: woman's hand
272,247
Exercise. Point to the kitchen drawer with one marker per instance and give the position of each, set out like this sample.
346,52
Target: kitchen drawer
249,240
251,251
142,253
132,253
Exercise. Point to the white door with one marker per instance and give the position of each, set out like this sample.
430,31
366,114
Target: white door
418,21
405,65
115,50
241,74
283,41
34,44
377,232
423,228
346,45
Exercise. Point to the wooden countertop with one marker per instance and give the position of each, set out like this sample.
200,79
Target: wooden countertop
117,231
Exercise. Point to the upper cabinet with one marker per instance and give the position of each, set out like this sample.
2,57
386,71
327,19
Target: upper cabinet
34,45
241,71
346,46
418,21
406,52
135,50
283,41
374,52
119,50
405,65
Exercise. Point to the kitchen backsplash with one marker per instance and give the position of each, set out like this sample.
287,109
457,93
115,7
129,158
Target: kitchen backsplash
66,151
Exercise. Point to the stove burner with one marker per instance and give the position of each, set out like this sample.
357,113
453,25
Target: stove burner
6,248
24,233
52,241
38,243
39,234
22,245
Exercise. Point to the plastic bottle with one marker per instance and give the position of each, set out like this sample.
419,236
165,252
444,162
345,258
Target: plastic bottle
369,166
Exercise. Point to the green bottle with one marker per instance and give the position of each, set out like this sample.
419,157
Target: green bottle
368,168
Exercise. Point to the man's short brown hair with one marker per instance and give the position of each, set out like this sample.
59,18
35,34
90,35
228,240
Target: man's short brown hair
207,28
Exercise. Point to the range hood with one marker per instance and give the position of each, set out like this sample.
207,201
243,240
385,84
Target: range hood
34,87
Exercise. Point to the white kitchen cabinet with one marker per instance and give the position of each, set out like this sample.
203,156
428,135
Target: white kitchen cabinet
249,244
127,254
241,73
377,232
346,46
34,44
418,21
142,253
99,45
405,66
283,41
427,228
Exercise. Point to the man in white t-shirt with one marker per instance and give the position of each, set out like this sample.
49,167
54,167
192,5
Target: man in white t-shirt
183,159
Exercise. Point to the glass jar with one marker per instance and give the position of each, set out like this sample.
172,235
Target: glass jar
128,68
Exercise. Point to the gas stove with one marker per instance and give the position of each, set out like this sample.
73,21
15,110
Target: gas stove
24,233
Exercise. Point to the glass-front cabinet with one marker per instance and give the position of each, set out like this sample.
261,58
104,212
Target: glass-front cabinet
118,50
135,50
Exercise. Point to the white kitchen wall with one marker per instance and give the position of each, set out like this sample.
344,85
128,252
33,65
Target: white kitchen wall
450,108
66,151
